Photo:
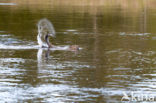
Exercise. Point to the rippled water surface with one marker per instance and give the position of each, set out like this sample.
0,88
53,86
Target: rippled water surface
118,55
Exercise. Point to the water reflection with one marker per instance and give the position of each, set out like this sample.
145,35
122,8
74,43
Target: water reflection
42,58
57,76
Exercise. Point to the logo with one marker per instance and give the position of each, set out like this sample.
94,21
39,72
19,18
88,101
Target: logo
138,97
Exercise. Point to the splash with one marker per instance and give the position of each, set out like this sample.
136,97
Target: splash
2,46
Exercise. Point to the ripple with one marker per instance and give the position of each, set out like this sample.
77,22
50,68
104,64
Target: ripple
17,60
71,30
50,93
134,34
2,31
8,4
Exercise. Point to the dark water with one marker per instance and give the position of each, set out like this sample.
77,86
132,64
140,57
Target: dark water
118,55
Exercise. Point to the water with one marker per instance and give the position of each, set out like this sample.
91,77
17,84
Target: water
118,55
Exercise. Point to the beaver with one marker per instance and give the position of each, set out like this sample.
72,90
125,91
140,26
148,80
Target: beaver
46,30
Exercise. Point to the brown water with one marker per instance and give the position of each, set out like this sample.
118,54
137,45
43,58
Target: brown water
118,55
